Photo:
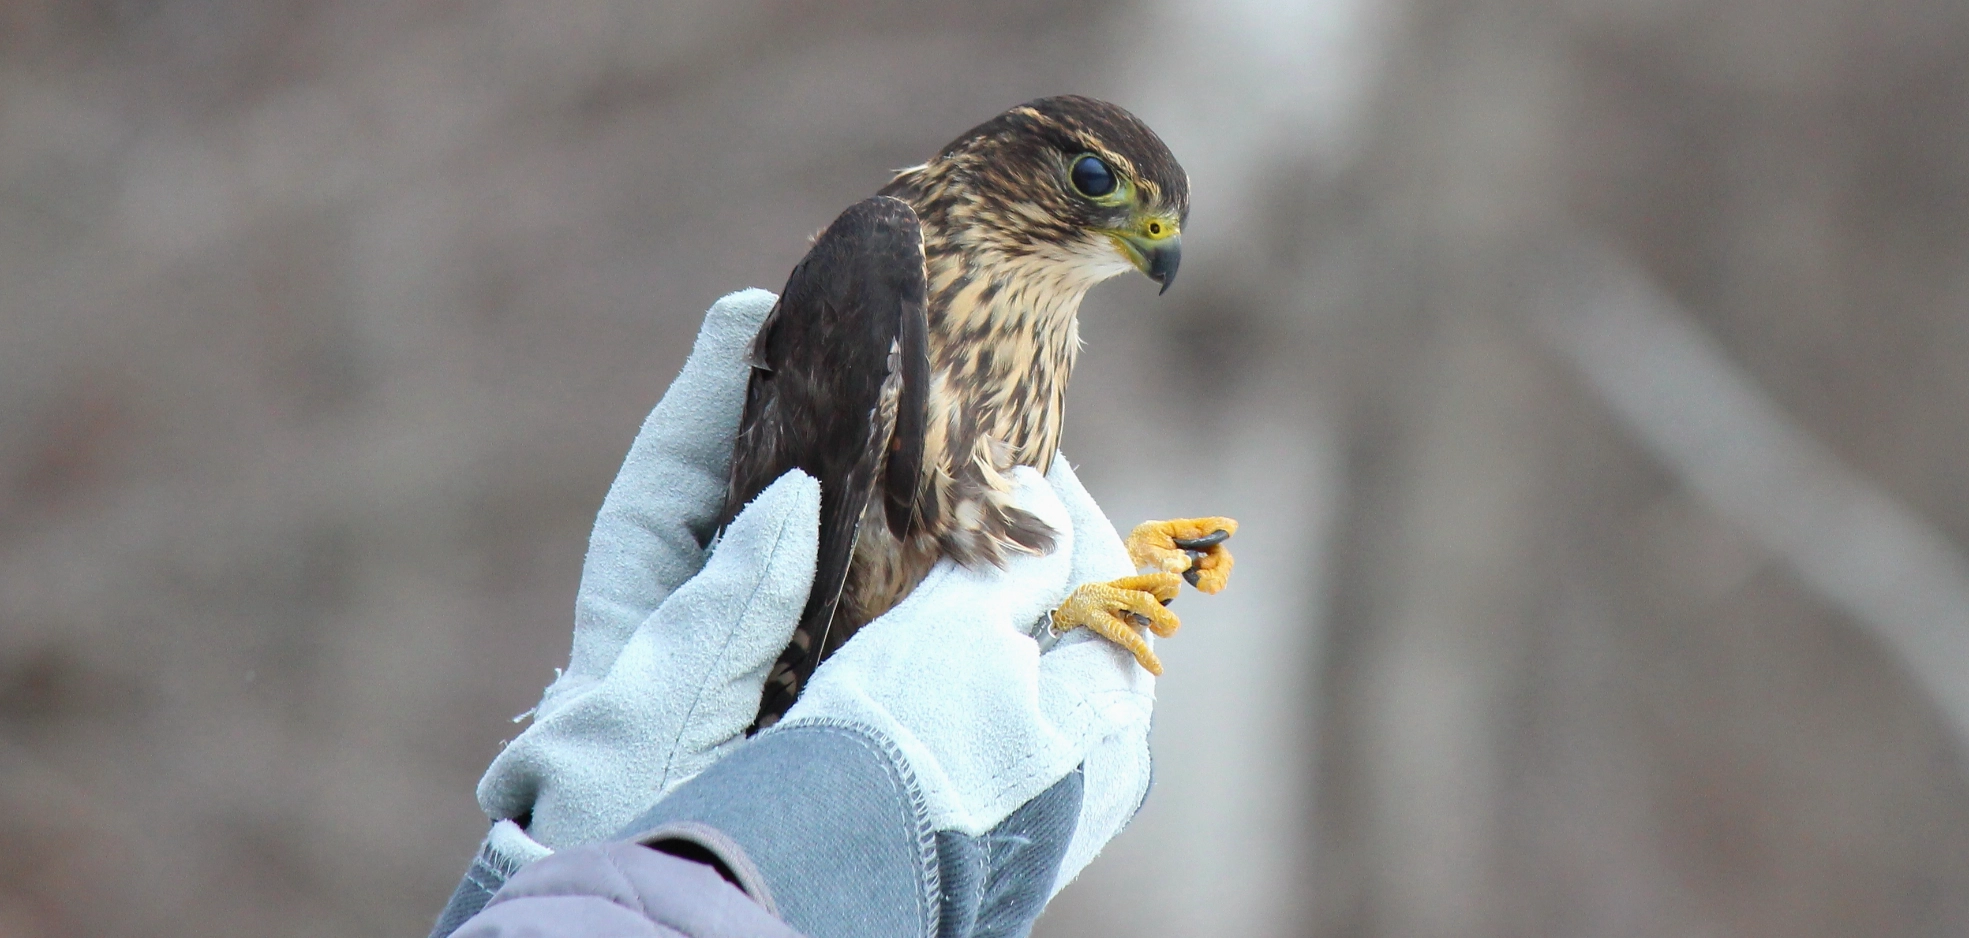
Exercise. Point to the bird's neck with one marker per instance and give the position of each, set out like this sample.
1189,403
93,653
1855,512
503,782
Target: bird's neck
1003,315
1003,336
974,292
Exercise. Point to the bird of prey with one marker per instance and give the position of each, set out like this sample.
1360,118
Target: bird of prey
920,352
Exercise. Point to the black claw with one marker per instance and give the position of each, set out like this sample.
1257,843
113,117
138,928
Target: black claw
1203,543
1140,619
1192,575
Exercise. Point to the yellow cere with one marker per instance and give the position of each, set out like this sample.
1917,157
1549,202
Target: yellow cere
1157,228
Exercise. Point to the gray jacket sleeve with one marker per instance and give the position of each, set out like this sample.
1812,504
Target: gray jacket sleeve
821,825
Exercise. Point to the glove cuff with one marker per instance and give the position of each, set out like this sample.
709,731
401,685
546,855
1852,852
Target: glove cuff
505,850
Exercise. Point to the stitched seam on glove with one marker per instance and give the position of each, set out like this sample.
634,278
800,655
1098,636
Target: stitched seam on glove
905,778
724,652
486,879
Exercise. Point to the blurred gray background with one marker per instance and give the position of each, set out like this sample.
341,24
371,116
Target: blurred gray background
1589,376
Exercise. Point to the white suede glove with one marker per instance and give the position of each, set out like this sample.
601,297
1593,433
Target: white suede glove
671,651
955,677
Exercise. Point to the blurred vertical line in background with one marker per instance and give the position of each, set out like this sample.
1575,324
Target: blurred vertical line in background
1561,693
1261,101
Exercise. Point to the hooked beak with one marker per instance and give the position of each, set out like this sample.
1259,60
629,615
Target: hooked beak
1156,257
1163,259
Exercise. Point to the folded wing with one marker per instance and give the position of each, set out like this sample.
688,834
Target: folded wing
840,375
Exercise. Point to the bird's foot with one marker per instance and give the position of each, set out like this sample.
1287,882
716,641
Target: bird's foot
1193,547
1116,609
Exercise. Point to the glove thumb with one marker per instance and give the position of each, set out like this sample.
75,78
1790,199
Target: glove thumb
685,686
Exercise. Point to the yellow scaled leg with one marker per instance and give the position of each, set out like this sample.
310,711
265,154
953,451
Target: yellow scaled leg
1193,547
1113,609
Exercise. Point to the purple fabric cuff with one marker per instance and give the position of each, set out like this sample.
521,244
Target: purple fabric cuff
622,889
706,844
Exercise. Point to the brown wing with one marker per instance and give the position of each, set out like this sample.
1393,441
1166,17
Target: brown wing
840,375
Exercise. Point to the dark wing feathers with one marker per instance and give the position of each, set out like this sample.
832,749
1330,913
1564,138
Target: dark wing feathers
849,328
902,477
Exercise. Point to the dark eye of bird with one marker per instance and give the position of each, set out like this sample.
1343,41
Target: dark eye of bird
1092,177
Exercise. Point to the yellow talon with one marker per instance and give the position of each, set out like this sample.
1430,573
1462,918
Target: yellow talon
1192,547
1113,609
1167,553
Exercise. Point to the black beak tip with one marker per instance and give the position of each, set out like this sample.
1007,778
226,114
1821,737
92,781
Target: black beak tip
1162,266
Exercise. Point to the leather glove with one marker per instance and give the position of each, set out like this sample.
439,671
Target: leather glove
955,677
672,643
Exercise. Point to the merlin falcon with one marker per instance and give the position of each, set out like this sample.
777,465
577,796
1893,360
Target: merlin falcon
920,352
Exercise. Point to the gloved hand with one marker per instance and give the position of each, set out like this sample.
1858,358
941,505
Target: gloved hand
955,677
671,651
658,671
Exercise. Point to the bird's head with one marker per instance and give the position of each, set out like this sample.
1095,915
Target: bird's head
1077,185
